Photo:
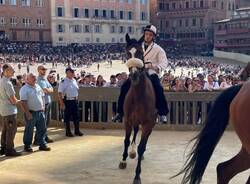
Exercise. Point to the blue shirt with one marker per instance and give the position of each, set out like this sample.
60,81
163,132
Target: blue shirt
6,91
34,96
69,88
43,83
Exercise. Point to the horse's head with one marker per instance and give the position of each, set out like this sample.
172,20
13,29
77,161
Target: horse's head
245,73
135,63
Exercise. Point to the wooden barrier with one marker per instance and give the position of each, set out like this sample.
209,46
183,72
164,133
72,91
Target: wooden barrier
188,111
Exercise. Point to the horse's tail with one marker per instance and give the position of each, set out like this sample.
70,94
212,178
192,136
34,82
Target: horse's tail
207,139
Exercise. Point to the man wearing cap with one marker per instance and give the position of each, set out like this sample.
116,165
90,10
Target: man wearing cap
8,111
48,90
155,61
68,99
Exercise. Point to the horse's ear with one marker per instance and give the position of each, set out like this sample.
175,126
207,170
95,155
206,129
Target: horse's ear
141,39
128,38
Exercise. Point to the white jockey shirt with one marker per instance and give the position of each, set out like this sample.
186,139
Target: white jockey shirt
156,55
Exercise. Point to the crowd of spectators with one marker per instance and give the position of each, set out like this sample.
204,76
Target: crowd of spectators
203,73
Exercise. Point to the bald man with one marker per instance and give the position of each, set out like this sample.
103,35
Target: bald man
33,105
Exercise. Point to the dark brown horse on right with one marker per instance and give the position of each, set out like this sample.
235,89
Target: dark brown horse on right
245,74
232,104
139,106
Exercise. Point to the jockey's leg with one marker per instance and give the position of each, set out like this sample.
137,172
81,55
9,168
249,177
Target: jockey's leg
161,102
123,92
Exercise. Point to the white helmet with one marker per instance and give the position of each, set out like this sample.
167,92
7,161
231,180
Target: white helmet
151,28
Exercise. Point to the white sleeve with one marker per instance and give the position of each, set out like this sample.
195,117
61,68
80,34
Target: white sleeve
60,88
162,58
23,94
205,86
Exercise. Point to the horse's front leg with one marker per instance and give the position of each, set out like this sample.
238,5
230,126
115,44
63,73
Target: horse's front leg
123,163
132,153
141,149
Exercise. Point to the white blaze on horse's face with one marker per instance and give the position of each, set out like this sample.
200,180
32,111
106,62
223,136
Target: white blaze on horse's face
133,51
133,69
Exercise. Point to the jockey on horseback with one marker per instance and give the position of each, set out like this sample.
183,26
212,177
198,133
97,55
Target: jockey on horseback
155,60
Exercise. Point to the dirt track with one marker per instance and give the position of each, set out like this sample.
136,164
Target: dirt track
94,158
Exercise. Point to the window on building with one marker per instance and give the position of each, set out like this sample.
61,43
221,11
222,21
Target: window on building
87,29
130,30
2,21
96,14
60,11
39,22
113,40
77,28
60,39
180,23
87,40
86,13
214,4
222,6
76,12
12,2
2,2
112,29
112,14
194,4
167,24
13,21
97,40
104,13
201,4
130,1
201,22
60,28
143,16
186,22
26,22
121,40
97,28
25,2
161,6
39,3
27,34
130,15
143,1
187,4
173,5
121,29
194,22
121,14
167,6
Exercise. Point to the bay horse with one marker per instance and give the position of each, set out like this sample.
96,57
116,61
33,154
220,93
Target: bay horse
245,74
232,105
139,105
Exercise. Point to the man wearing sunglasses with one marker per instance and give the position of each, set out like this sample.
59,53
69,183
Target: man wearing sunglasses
48,90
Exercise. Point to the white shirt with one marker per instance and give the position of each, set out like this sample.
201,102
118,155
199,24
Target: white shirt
213,86
156,55
69,88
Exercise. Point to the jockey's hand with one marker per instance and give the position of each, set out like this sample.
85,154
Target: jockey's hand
155,68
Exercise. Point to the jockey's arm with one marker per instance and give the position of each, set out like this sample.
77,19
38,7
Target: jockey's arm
163,61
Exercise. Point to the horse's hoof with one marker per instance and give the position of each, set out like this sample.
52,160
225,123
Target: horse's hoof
132,155
122,165
137,181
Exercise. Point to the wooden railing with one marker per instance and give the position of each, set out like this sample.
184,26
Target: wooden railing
188,111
